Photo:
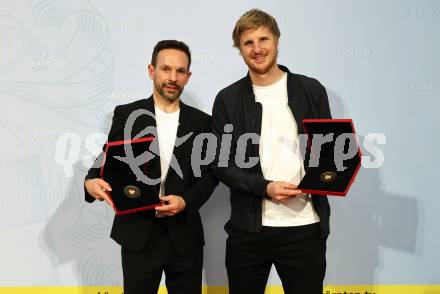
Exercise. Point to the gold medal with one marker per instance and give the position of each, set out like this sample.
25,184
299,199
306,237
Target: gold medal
328,176
132,191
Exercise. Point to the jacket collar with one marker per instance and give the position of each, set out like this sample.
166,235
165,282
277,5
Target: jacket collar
149,105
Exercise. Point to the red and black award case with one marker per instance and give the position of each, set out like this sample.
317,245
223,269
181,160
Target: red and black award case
130,193
338,162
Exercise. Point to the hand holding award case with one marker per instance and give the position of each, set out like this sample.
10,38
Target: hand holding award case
335,161
129,193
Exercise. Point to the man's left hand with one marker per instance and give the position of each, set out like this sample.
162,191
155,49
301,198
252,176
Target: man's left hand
171,205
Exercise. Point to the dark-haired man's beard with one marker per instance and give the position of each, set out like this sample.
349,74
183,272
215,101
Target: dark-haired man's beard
169,95
262,69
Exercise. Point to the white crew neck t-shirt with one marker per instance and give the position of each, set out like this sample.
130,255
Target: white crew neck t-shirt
166,123
280,157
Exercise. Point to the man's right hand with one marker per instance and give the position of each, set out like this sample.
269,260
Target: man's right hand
97,188
281,191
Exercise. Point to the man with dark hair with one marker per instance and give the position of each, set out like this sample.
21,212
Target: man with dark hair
170,44
272,222
170,238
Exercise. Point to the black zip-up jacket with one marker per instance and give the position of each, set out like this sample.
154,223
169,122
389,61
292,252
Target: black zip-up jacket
185,230
236,105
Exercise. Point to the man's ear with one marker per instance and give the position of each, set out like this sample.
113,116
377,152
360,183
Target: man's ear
151,71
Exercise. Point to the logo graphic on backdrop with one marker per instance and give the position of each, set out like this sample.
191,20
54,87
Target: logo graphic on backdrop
55,66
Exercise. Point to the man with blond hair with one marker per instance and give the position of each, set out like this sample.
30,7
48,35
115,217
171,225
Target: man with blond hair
272,222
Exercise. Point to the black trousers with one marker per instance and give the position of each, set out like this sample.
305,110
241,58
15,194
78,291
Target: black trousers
142,270
298,254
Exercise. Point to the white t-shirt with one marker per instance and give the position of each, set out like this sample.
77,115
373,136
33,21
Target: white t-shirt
166,124
280,157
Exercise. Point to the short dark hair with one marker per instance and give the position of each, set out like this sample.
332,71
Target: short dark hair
170,44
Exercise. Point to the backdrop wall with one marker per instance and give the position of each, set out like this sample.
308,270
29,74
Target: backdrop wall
64,65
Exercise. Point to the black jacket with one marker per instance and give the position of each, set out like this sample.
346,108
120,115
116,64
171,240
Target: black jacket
185,229
236,105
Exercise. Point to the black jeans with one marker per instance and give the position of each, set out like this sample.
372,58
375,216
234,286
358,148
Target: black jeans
143,270
298,254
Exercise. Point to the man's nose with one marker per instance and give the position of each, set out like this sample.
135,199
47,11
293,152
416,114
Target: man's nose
172,76
257,48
